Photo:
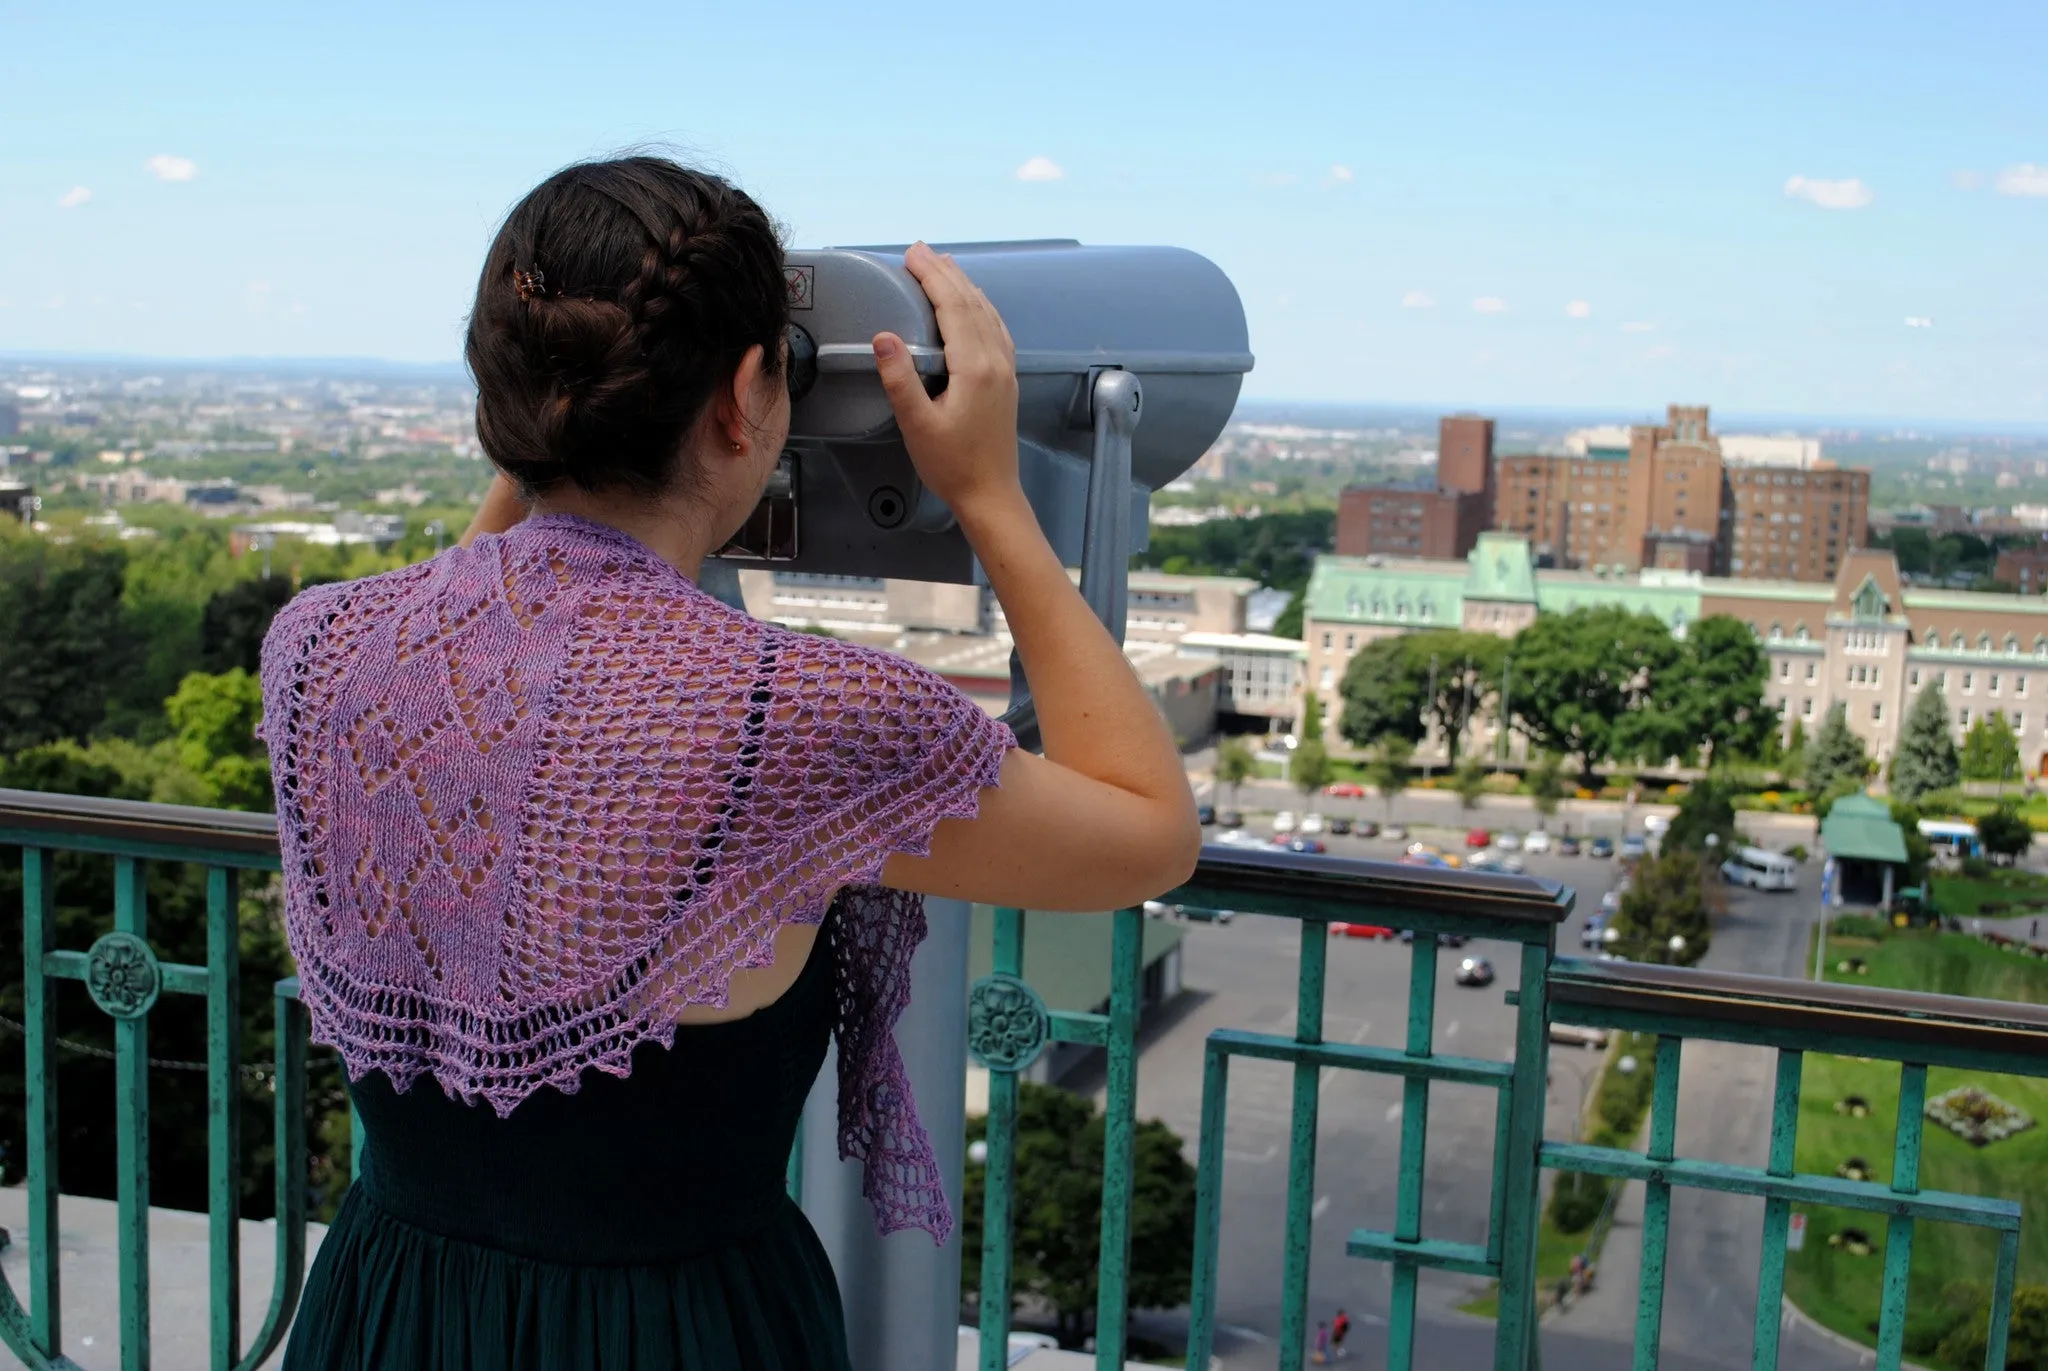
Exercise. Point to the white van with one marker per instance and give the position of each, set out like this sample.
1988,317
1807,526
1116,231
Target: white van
1760,870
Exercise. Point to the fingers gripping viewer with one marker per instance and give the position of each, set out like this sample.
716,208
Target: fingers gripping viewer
584,868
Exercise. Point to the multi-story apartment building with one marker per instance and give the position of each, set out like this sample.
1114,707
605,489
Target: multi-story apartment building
1866,640
1673,500
1443,520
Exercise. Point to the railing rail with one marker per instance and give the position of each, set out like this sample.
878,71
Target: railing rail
1009,1024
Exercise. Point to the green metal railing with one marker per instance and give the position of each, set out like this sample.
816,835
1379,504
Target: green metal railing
1009,1025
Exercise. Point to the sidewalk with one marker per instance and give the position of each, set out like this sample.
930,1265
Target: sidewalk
1608,1310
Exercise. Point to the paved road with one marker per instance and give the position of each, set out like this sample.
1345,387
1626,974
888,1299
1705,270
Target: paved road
1243,975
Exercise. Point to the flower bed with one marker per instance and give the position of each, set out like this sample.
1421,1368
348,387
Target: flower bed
1976,1116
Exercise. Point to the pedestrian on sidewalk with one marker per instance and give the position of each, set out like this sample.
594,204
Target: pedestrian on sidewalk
1321,1355
1340,1328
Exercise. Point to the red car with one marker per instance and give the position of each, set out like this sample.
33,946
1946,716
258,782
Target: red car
1361,931
1345,790
1478,837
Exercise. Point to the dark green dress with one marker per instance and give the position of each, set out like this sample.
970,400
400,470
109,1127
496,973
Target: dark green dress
637,1225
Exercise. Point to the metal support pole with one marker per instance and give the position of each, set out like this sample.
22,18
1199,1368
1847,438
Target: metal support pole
902,1292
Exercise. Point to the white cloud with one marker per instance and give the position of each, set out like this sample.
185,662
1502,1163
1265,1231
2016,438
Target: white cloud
1659,352
1489,304
258,297
1040,169
1278,178
1848,194
1638,326
6,302
1418,299
1919,321
56,301
1965,180
165,167
73,198
2024,179
1579,309
1339,175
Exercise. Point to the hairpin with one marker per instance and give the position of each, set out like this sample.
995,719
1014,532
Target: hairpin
531,285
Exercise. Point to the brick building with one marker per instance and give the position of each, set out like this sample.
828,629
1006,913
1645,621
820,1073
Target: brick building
1421,521
2023,568
1670,500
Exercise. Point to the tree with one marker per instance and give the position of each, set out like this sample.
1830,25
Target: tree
1546,784
1707,811
1470,781
1380,697
1288,625
1792,759
1836,755
1234,765
1926,759
215,719
232,626
2004,833
1990,752
1582,677
1057,1241
1671,898
1311,716
1711,699
68,639
1388,770
1310,770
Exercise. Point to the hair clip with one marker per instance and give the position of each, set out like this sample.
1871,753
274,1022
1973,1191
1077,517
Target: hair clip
531,285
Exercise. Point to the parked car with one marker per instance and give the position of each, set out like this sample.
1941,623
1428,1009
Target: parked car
1229,818
1610,902
1314,846
1572,1035
1600,847
1364,828
1594,932
1238,837
1567,846
1425,859
1394,832
1485,859
1474,971
1205,815
1284,821
1310,823
1339,825
1442,939
1345,790
1633,847
1360,931
1204,916
1507,842
1156,909
1513,864
1477,837
1536,842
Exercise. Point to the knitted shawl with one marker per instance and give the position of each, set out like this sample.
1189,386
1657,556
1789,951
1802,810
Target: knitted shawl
537,796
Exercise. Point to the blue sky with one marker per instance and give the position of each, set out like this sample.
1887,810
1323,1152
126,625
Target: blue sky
321,181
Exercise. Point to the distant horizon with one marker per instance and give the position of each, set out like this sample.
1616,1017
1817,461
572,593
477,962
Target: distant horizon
1728,420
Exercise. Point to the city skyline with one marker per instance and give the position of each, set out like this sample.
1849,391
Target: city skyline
1827,213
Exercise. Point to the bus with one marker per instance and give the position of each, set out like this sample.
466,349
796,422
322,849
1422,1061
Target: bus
1760,870
1951,838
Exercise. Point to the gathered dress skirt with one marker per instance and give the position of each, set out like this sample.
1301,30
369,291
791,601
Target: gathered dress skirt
640,1224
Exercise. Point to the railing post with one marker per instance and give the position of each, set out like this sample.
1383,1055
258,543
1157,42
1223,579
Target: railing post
224,1114
999,1171
1208,1205
288,1112
1515,1335
1898,1238
1657,1206
1770,1298
131,1130
39,937
1414,1149
1120,1126
1301,1145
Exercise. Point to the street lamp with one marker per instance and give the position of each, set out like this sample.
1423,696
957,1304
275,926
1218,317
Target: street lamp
1626,1066
436,530
977,1152
1677,944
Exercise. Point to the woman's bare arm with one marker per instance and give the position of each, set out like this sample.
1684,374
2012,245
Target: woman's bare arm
501,509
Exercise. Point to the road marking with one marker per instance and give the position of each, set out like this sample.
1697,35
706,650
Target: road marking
1272,1151
1393,1111
1239,1330
1329,1072
1320,1208
1451,1031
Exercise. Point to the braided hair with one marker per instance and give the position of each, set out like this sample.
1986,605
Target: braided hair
615,301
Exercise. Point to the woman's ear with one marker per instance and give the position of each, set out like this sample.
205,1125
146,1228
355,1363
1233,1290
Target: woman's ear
736,400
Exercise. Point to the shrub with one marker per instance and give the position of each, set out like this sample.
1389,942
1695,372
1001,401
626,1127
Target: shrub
1797,852
1576,1198
1927,1325
1857,926
1976,868
2026,1339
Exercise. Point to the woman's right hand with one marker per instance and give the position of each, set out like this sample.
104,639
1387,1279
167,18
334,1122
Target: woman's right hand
964,442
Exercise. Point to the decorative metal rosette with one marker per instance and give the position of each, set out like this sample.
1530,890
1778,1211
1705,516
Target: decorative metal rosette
122,976
1007,1024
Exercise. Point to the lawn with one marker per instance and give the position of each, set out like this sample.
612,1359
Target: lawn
1965,896
1841,1290
1554,1253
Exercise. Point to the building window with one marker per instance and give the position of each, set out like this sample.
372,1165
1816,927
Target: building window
1326,642
1323,680
1992,683
1965,716
1969,680
1809,671
2012,644
1350,641
1914,680
1784,671
1984,642
1806,707
2019,685
1876,712
1777,632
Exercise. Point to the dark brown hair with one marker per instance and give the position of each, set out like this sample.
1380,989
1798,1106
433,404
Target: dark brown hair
614,302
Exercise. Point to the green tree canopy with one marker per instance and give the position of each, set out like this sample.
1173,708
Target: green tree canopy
215,718
1309,770
1670,897
1708,810
232,625
1380,697
1792,758
68,639
2004,833
1710,700
1990,752
1580,678
1412,683
1388,769
1836,756
1058,1206
1546,784
1470,782
1926,759
1234,765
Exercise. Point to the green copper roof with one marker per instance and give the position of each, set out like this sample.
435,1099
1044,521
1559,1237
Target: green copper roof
1677,604
1407,594
1501,569
1861,829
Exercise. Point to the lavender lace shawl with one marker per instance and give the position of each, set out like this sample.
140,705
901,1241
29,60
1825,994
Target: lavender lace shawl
537,796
